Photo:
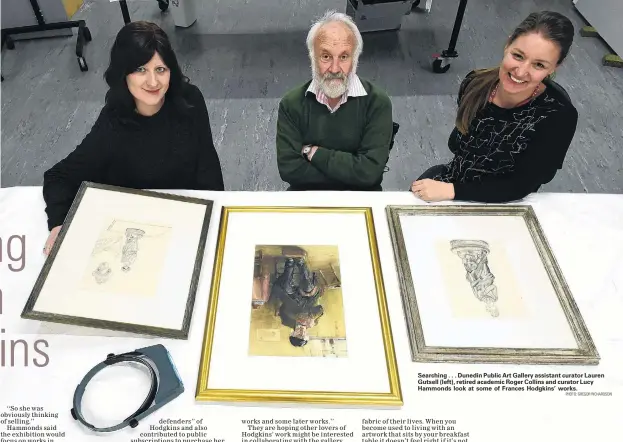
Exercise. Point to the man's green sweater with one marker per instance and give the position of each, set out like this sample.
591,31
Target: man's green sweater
353,142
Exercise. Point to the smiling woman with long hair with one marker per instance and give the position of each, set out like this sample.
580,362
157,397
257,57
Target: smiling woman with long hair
514,124
133,86
152,133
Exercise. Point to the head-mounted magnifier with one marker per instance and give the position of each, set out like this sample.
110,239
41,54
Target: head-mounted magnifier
166,384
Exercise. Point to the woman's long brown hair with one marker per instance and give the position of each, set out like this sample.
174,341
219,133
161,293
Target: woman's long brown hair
551,25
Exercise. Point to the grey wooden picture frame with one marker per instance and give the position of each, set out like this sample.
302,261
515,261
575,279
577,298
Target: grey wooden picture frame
29,312
585,353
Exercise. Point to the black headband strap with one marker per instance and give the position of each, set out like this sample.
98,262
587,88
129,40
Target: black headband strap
166,384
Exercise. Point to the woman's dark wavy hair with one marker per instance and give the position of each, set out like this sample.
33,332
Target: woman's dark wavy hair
135,45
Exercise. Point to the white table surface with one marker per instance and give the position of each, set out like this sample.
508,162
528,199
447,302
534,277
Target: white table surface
584,231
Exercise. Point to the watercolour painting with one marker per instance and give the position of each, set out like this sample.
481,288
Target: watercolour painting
297,306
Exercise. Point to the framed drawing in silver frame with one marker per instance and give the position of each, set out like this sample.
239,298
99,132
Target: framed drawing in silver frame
480,284
127,260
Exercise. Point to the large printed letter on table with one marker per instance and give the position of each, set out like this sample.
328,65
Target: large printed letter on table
297,311
126,260
479,283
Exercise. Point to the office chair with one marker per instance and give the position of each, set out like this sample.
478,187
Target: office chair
395,128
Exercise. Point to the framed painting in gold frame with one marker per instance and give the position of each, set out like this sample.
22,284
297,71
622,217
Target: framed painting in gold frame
480,284
297,310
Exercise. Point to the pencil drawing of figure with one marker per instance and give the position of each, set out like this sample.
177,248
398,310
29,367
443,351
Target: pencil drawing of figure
130,248
127,258
108,243
102,272
474,254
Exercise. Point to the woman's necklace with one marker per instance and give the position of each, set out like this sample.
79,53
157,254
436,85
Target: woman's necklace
534,93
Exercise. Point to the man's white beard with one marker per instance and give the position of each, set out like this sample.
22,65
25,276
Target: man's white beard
331,87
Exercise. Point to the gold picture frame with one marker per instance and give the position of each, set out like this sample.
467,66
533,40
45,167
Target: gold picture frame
392,397
584,351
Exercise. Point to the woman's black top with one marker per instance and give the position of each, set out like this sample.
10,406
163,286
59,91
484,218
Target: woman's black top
169,150
509,153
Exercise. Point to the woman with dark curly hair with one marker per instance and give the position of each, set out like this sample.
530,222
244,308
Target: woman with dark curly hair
152,133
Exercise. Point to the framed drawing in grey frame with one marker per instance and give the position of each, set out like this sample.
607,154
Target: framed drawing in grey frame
126,260
480,284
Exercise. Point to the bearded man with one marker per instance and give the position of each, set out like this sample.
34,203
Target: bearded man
334,131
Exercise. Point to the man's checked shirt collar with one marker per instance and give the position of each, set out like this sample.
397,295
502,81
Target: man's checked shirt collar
355,89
